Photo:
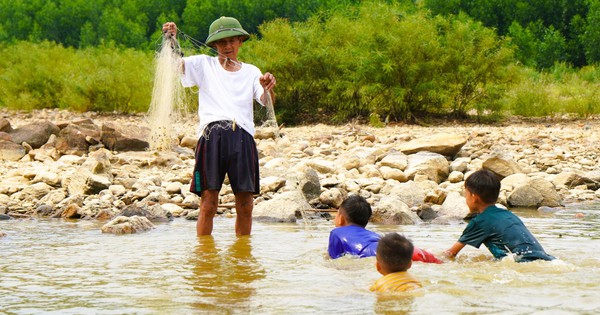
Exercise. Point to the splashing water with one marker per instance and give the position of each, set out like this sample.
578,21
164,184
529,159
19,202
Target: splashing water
167,94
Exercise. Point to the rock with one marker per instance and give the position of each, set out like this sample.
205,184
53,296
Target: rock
502,166
154,213
392,210
173,209
75,138
309,184
456,177
393,173
433,165
72,211
44,210
35,134
332,197
535,192
5,217
396,160
444,144
284,207
189,142
426,213
127,225
2,234
5,125
409,193
272,184
454,207
10,151
125,137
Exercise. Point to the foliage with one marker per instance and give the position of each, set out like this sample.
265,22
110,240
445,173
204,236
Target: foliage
389,60
91,79
546,31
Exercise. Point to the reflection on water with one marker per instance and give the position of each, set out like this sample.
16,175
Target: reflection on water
60,267
224,278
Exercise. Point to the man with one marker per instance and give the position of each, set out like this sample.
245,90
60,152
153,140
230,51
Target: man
227,88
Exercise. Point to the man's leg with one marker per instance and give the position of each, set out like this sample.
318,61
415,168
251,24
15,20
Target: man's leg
244,203
209,201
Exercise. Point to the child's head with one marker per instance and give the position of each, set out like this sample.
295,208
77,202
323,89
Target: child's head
394,253
354,210
485,185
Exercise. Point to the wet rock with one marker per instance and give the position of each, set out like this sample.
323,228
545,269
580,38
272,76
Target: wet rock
35,134
44,210
127,225
72,211
5,217
426,212
154,213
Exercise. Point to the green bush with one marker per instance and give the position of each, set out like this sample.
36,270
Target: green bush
389,60
92,79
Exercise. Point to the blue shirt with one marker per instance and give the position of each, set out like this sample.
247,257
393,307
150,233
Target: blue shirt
352,240
502,232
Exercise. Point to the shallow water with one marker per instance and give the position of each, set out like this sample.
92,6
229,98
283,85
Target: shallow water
60,267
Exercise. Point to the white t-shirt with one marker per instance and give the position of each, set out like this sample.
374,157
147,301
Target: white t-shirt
223,95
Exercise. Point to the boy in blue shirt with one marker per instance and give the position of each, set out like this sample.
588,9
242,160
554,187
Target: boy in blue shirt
351,237
501,231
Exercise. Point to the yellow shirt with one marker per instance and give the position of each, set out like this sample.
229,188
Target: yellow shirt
396,282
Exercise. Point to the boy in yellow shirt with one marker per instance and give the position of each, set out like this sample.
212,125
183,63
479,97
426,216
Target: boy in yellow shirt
394,258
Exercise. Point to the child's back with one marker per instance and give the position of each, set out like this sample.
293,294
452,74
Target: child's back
503,233
394,258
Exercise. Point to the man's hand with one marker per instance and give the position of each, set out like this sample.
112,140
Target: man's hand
170,29
267,81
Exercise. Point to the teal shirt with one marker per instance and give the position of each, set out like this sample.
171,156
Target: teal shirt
502,232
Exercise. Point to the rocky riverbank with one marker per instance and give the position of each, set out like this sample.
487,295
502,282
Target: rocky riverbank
98,166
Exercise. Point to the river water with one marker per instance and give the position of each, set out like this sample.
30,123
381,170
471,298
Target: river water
70,267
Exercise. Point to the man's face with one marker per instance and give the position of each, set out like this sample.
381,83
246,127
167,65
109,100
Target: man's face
229,46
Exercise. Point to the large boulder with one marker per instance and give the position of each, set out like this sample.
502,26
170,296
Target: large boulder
444,144
75,138
534,192
126,137
433,165
284,207
35,134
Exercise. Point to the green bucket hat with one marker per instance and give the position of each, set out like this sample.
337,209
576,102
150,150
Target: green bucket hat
224,27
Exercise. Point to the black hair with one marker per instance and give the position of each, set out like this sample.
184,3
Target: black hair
395,251
357,210
485,184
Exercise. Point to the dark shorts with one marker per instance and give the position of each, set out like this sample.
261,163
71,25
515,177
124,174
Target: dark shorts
222,150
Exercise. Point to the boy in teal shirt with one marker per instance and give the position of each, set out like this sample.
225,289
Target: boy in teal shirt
501,231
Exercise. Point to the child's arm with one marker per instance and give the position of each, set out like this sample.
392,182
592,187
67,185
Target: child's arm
453,251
